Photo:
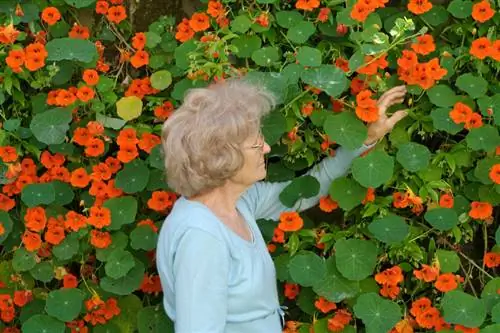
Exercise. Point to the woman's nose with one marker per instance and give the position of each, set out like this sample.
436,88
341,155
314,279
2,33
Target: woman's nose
266,149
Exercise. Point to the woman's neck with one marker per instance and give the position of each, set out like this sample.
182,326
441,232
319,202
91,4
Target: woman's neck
222,200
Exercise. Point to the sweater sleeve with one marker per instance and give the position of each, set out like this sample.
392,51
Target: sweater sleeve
263,197
201,267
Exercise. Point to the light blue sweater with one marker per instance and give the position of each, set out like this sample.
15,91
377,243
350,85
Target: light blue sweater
213,280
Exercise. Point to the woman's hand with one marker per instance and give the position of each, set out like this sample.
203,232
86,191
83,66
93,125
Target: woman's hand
384,124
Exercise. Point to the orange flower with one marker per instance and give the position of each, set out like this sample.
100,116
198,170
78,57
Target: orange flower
70,281
8,34
429,318
424,45
420,306
31,240
215,9
164,111
199,22
161,200
435,71
341,318
81,136
79,32
307,5
100,239
363,99
391,276
51,15
91,77
291,290
101,171
8,154
324,305
475,121
369,114
369,196
390,291
113,164
446,282
127,153
408,59
2,229
74,221
22,297
278,236
495,50
116,14
184,31
419,6
34,62
102,7
100,217
480,48
491,259
6,203
54,235
460,113
94,147
139,41
139,59
494,173
15,60
400,200
85,94
324,14
148,141
290,221
480,210
427,273
342,63
327,204
65,98
263,20
482,11
446,200
35,219
127,136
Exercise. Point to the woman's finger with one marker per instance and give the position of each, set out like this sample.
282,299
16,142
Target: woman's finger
397,116
395,90
395,98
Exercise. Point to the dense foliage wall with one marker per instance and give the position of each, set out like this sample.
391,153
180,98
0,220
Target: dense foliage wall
82,99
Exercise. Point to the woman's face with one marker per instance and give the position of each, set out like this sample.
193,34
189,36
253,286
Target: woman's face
254,168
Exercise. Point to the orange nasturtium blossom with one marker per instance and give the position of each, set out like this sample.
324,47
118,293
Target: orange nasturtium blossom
339,320
427,273
139,41
90,77
8,34
480,48
100,239
15,60
494,173
8,154
460,113
419,6
74,221
290,221
116,14
446,282
85,93
491,259
51,15
327,204
495,50
101,7
482,11
424,45
446,200
291,290
161,200
215,9
420,305
100,217
480,210
324,14
164,111
35,219
31,240
429,318
139,59
79,32
324,305
184,31
199,22
307,5
475,121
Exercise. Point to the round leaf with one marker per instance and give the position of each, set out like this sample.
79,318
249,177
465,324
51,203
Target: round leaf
373,169
133,177
307,268
123,211
23,260
378,314
442,121
119,263
181,55
308,56
241,24
491,329
50,127
65,304
38,194
413,156
346,130
441,95
442,219
436,16
334,287
301,32
6,223
330,79
266,56
483,138
356,258
153,319
127,284
449,262
483,167
301,187
247,45
143,238
463,309
161,80
43,271
472,84
495,313
288,19
71,49
63,193
119,240
273,127
67,248
391,229
347,192
460,9
43,324
129,108
489,294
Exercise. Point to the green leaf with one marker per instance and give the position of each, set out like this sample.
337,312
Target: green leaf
449,262
301,187
43,324
36,306
436,16
328,78
67,248
127,284
463,309
460,9
63,193
266,56
378,314
442,95
483,138
161,80
391,229
119,263
80,3
288,19
65,304
152,39
181,54
309,56
442,121
6,222
156,159
71,49
334,287
110,326
306,268
241,24
119,240
483,167
373,169
273,126
347,192
123,211
300,32
143,238
490,295
43,271
475,86
246,45
50,127
495,313
133,177
109,122
152,319
129,108
442,219
38,194
491,329
346,130
23,260
130,306
413,156
356,258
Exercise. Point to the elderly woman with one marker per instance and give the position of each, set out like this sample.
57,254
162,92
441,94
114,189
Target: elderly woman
214,266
